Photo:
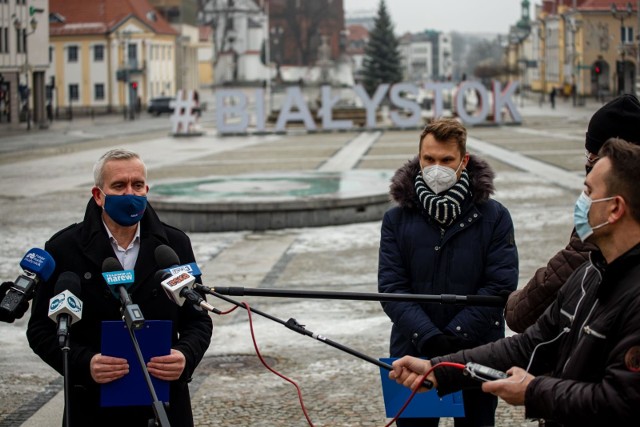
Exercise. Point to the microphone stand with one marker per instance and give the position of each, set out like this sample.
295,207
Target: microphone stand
131,315
297,327
65,375
482,300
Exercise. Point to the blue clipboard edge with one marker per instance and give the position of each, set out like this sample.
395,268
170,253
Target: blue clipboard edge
423,405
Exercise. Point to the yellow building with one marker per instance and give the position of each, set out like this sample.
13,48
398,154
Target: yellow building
590,49
109,55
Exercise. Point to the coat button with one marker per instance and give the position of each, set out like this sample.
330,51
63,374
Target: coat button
87,275
461,225
415,335
497,323
458,328
437,248
469,220
475,215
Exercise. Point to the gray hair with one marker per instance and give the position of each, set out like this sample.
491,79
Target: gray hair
115,154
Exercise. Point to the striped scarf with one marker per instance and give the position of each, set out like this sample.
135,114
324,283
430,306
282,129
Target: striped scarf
444,207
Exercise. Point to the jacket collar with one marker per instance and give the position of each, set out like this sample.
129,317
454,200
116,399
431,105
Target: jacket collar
402,189
95,240
614,273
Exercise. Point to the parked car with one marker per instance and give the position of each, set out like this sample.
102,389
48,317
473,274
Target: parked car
162,104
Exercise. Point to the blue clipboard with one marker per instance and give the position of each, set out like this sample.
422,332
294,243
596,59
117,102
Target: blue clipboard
423,405
132,390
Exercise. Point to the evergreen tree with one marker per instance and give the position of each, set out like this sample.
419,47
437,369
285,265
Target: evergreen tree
382,57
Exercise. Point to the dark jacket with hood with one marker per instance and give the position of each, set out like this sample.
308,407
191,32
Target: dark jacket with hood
476,255
82,248
587,362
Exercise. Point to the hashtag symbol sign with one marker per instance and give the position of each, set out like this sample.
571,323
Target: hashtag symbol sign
183,120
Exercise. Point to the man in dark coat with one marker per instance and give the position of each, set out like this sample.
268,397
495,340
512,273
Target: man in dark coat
446,236
119,223
582,357
619,118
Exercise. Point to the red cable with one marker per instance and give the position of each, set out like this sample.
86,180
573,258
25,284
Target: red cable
255,345
222,313
413,393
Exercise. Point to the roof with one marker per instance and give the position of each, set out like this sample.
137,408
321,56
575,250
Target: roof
358,32
605,5
551,6
92,17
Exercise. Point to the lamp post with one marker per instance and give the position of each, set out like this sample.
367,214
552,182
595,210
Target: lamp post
276,34
622,67
17,23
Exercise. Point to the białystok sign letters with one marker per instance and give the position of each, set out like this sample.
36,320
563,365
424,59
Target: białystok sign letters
233,114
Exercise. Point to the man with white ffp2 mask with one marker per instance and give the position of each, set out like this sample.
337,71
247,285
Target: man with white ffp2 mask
446,236
579,364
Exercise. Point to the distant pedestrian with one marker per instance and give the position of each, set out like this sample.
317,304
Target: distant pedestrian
552,97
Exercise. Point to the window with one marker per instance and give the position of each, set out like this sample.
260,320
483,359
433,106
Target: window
73,92
72,54
4,40
98,91
98,53
626,34
132,54
21,38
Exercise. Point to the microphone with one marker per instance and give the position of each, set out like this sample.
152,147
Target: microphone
65,308
176,280
119,281
37,265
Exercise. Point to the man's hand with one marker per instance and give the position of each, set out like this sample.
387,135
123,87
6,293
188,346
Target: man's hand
409,370
105,369
511,389
169,367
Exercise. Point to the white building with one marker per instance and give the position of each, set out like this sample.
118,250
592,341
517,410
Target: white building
241,31
24,59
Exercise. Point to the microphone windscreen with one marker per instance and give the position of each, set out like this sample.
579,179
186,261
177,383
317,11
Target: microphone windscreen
39,262
111,264
166,257
68,281
160,276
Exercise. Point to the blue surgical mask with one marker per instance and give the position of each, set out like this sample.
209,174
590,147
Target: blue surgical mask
126,209
581,216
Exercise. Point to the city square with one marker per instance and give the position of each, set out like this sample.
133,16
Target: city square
46,182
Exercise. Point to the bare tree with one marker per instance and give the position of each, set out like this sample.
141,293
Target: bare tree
306,21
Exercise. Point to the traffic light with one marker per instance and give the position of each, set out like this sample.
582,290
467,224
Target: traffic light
134,85
597,69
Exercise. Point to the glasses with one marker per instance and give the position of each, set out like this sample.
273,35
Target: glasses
591,158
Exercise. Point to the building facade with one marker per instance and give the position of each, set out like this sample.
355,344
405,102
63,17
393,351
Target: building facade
109,55
583,47
24,60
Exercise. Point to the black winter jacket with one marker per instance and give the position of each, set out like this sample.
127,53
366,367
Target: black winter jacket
476,255
594,365
81,248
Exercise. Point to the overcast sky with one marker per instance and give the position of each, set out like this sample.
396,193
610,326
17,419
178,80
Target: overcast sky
492,16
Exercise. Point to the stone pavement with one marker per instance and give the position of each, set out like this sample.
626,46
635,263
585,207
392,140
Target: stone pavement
44,186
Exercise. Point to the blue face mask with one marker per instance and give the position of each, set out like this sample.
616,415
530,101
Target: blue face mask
581,216
125,209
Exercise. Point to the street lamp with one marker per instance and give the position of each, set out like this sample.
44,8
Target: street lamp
17,23
622,67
